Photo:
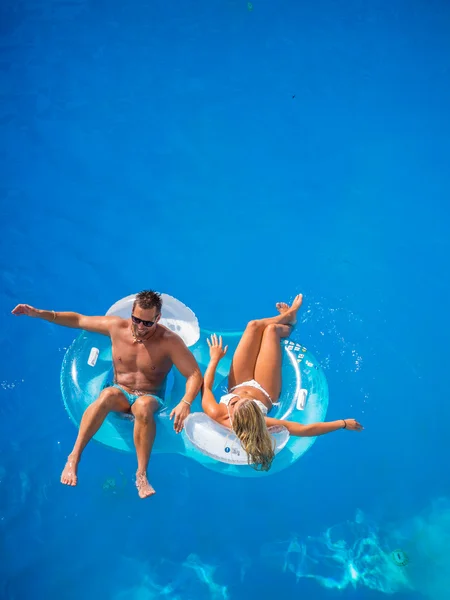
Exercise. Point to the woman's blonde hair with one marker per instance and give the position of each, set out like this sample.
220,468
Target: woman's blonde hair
250,427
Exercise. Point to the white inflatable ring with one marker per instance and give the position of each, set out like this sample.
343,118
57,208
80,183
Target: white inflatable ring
87,369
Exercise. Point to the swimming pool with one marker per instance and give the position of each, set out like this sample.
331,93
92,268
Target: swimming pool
231,155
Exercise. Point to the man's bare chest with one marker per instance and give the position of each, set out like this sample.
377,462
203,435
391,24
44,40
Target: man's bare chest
141,357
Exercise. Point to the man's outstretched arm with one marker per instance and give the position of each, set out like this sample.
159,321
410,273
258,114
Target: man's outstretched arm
67,319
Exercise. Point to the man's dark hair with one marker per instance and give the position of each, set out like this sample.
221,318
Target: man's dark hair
148,299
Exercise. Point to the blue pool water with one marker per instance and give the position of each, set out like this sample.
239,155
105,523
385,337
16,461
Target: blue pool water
231,155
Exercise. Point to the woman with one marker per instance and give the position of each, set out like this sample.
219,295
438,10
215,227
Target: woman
254,385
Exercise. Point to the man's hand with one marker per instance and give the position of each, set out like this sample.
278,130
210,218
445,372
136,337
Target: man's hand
180,412
25,309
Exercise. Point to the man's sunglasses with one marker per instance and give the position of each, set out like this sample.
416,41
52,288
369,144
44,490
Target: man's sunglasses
136,321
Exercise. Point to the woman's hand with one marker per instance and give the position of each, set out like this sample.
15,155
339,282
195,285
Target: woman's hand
25,309
216,350
352,424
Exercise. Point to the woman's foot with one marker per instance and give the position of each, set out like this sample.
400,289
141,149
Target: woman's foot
69,474
290,312
144,488
282,307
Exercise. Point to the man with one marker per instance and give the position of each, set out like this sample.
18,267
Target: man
143,353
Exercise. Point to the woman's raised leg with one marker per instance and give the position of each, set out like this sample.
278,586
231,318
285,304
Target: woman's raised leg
246,354
268,362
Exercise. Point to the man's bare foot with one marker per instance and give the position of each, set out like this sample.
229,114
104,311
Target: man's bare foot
144,488
290,312
69,474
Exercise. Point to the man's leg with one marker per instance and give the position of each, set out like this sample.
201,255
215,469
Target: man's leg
144,435
111,399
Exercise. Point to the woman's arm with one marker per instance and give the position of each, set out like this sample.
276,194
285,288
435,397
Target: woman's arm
314,429
209,403
216,353
210,373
